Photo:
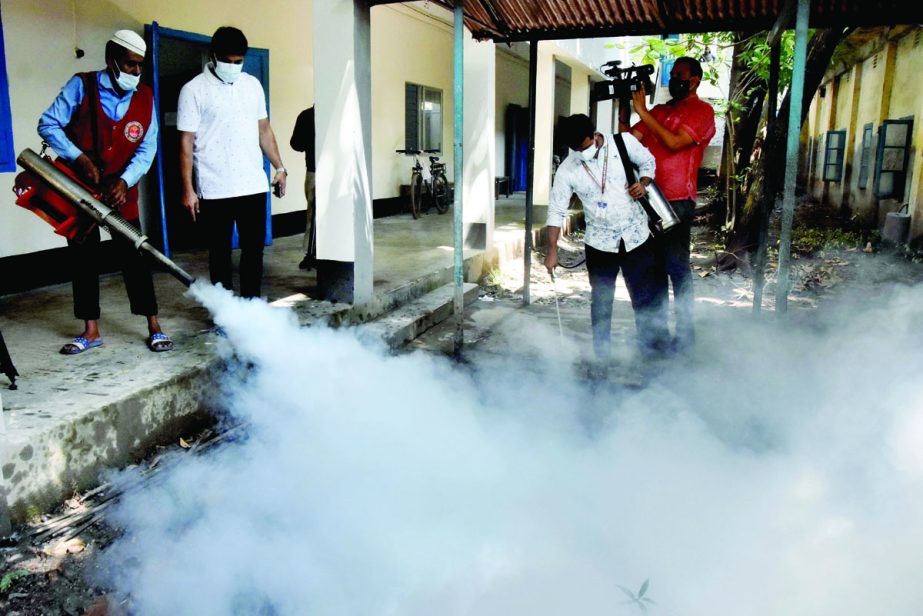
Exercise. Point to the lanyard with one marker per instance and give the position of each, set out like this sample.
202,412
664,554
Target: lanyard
602,185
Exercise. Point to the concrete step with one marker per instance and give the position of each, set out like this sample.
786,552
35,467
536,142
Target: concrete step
402,325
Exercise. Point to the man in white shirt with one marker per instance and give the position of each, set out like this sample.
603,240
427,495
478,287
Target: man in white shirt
224,133
617,233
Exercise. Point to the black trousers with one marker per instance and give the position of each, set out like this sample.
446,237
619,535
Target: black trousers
643,269
85,266
676,248
219,216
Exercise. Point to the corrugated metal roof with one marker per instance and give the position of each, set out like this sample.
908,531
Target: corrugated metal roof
517,20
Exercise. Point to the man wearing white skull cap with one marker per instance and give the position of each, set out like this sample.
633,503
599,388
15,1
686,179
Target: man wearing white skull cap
103,126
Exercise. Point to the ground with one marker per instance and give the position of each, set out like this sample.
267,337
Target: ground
49,569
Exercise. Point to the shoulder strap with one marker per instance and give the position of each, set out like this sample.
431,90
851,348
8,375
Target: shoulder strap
91,89
623,154
653,219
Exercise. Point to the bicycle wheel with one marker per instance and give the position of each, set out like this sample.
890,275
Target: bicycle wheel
441,193
416,195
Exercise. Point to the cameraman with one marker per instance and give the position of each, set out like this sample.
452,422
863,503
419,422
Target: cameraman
677,134
617,235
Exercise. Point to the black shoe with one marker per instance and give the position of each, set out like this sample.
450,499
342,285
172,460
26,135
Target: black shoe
307,263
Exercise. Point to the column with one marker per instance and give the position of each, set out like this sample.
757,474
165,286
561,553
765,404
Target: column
343,118
480,143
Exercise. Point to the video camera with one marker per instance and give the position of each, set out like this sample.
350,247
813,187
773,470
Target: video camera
624,81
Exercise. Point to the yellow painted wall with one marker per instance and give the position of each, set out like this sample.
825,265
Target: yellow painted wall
407,46
40,37
878,98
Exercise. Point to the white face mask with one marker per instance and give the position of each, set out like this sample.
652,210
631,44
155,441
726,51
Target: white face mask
590,152
126,81
228,72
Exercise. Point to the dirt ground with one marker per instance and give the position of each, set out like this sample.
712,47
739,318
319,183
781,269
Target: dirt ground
50,572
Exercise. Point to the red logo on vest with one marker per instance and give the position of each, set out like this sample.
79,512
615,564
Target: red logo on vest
134,131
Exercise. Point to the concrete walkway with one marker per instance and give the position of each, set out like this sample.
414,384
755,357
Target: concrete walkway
73,416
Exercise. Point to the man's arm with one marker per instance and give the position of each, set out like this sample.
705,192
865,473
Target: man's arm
271,151
670,140
51,127
561,191
190,198
299,133
644,160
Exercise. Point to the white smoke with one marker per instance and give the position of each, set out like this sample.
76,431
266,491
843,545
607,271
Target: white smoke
779,472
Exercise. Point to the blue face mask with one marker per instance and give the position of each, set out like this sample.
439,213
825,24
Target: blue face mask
126,81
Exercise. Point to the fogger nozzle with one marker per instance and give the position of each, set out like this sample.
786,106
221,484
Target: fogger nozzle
92,207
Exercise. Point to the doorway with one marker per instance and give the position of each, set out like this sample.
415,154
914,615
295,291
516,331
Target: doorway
176,57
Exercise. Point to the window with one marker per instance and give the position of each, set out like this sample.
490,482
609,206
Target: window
7,153
833,155
866,156
422,118
893,155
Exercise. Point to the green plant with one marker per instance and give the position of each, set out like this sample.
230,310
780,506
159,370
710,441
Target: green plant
7,580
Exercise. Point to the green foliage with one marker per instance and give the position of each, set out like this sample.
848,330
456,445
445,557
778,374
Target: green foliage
810,240
7,580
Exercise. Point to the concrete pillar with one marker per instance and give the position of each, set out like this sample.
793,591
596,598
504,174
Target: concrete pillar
579,91
343,117
605,121
544,122
480,142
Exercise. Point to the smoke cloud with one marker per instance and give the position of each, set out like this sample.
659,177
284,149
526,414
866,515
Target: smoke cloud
777,471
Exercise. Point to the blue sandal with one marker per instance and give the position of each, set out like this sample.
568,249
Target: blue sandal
79,345
159,342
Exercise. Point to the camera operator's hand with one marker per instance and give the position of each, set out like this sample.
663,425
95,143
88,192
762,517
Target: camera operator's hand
639,100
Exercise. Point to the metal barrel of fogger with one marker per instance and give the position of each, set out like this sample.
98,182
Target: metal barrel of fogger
92,207
660,205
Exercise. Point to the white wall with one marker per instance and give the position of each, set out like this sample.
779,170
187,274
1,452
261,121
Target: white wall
40,39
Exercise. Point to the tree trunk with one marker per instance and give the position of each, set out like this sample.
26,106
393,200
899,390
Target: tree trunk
769,172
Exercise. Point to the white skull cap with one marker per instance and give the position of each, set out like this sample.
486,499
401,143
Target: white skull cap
130,40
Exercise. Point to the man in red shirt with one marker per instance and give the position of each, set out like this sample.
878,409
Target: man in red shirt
677,133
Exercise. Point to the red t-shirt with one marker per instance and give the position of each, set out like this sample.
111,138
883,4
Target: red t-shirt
677,172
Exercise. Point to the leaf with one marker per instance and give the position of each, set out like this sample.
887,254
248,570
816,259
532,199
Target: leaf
7,580
184,444
627,592
644,588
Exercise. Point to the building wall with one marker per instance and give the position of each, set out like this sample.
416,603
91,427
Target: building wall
408,45
40,38
882,83
512,89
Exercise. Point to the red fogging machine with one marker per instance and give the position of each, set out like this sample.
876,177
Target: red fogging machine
52,191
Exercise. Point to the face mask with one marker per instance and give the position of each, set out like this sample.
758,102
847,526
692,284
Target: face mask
126,81
228,72
679,88
590,152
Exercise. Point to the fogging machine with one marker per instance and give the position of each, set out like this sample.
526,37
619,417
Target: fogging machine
79,210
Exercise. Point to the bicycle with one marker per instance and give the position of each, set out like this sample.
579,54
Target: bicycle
436,186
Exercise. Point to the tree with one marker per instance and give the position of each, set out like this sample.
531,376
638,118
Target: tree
744,166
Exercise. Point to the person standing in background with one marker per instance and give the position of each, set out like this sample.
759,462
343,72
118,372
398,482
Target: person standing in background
224,133
677,133
303,141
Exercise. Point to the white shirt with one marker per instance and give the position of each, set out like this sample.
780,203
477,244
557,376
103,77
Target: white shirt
226,154
610,217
